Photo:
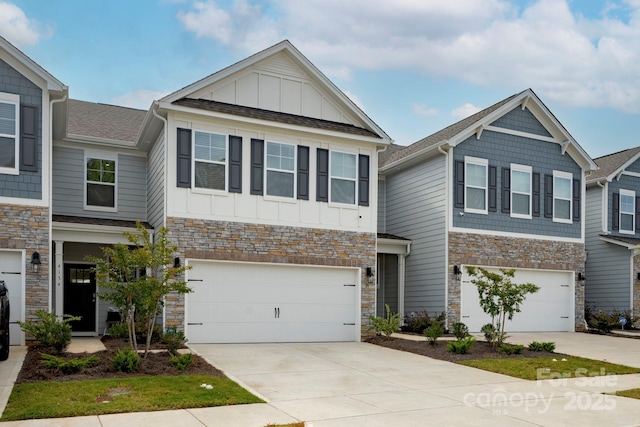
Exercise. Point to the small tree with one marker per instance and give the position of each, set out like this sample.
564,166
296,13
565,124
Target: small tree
499,297
140,296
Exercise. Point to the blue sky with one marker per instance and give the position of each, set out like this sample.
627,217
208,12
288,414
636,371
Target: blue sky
414,66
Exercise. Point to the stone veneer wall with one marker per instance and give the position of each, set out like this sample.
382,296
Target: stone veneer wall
511,252
27,228
235,241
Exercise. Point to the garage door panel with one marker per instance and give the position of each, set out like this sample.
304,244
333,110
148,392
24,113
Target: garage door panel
11,273
549,309
244,302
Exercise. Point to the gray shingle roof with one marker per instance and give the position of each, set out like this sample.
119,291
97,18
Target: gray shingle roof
274,116
104,121
442,135
98,221
611,163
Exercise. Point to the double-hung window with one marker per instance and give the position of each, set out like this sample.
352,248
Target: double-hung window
627,211
281,166
520,191
100,185
475,194
562,196
9,128
343,177
210,160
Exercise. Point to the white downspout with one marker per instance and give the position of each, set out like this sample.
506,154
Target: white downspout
401,276
447,207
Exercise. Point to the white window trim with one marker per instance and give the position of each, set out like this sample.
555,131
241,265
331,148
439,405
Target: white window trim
479,162
632,194
529,170
293,172
569,176
101,156
194,160
14,99
355,180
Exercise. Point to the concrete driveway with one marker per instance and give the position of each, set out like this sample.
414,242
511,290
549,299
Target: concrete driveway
357,384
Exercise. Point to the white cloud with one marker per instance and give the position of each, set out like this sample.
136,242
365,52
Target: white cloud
355,100
18,29
140,99
464,111
423,110
563,55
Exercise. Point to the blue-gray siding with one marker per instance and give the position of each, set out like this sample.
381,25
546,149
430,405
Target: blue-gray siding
501,150
156,184
416,209
608,267
521,120
69,180
625,182
26,185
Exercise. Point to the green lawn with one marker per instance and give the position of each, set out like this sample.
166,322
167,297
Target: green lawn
546,368
56,399
634,393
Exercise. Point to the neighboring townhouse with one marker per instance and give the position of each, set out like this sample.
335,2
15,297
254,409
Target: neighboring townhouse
29,95
613,234
503,188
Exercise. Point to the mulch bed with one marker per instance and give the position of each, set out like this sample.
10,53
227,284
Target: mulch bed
155,364
480,350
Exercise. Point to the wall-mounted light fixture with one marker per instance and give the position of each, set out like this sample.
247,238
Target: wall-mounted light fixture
35,261
457,272
369,272
638,276
581,276
176,262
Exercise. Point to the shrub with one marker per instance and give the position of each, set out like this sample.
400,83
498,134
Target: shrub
434,332
174,339
51,330
71,366
542,346
126,360
385,325
460,330
419,322
462,346
119,330
510,349
493,335
182,362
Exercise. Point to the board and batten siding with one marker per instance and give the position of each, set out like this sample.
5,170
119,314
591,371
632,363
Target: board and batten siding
416,209
69,181
156,182
608,266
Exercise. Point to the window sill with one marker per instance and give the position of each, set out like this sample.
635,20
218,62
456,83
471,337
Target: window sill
9,171
518,216
100,209
476,211
208,191
563,221
627,232
343,205
290,200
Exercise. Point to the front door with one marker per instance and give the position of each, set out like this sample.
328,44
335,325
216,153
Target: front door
80,296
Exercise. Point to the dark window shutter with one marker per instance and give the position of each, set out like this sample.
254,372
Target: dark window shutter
303,172
322,181
548,196
235,164
576,199
615,212
29,138
184,158
459,188
493,189
363,180
637,213
257,166
506,190
535,194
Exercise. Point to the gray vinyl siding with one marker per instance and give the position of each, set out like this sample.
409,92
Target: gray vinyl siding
608,267
501,150
625,182
382,203
156,183
69,181
416,209
25,185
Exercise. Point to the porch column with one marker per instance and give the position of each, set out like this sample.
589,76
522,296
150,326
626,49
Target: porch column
401,268
59,277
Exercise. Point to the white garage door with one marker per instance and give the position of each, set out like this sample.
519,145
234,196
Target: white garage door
549,309
11,272
246,303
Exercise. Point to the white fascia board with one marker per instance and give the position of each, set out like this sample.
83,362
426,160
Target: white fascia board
619,243
89,233
272,124
616,173
51,83
392,246
414,157
92,140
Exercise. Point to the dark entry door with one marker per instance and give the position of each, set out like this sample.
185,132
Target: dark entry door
80,296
